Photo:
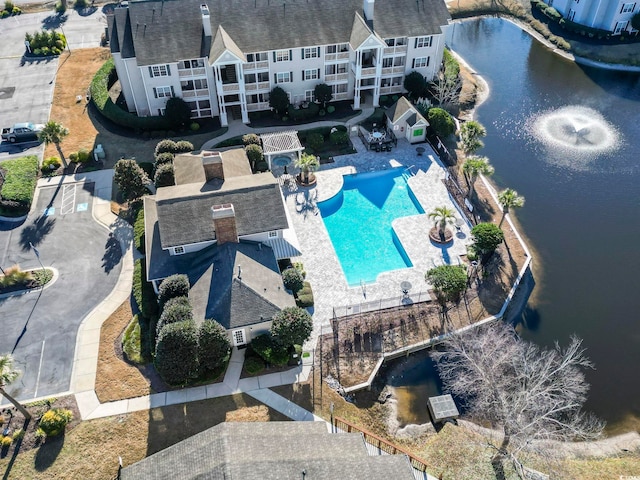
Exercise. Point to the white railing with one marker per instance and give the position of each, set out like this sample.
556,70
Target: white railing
253,107
191,72
255,65
202,92
387,70
342,55
231,87
398,69
392,89
369,72
337,77
396,49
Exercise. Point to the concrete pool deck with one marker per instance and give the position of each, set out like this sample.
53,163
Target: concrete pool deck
330,288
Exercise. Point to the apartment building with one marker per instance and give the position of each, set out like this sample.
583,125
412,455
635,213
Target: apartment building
611,15
224,56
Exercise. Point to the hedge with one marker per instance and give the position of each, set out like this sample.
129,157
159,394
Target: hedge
177,352
174,286
143,291
138,231
269,350
178,309
99,90
21,175
304,297
214,346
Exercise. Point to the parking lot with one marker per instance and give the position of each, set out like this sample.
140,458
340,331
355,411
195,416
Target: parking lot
40,327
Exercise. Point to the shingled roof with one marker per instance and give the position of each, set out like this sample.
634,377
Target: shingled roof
171,30
269,451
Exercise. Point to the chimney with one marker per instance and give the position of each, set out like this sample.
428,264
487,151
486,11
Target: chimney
367,9
212,164
206,22
224,223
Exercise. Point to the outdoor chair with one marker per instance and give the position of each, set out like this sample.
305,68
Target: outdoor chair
378,149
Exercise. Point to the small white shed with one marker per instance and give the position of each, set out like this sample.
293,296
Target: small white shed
404,120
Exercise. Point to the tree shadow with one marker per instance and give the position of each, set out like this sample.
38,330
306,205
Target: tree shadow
498,469
36,232
48,452
16,450
86,11
112,254
54,21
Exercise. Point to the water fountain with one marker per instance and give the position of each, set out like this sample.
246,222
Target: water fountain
574,133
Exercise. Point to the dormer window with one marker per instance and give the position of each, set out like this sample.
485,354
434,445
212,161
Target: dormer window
178,250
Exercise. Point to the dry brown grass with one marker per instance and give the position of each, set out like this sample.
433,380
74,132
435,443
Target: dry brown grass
90,451
115,378
75,73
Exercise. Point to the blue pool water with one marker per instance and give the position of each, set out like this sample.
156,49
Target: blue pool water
359,219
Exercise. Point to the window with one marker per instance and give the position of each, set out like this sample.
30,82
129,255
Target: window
250,78
620,27
178,250
398,61
238,337
283,77
162,92
330,70
311,52
257,57
273,234
161,112
421,62
332,49
340,88
341,67
200,108
159,71
258,98
387,62
311,74
282,55
199,63
628,8
396,41
423,42
308,95
263,77
194,84
395,81
390,42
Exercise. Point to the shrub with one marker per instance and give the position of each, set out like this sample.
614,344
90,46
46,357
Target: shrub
14,276
8,5
279,101
138,231
291,326
178,112
177,309
194,127
254,154
183,146
131,179
174,286
164,157
5,14
6,442
315,141
451,65
331,109
441,122
54,421
60,8
83,156
448,282
300,267
339,138
262,166
304,297
487,237
415,84
131,344
164,176
177,352
73,157
18,435
49,164
166,146
45,41
21,175
322,113
269,350
292,279
251,139
253,365
323,94
81,4
143,292
213,346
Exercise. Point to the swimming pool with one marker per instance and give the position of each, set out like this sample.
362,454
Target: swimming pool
359,219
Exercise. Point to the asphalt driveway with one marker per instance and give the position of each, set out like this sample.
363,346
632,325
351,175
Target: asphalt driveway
40,328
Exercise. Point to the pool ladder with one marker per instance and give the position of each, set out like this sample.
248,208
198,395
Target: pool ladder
406,175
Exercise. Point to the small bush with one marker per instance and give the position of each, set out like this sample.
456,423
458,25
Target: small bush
164,157
331,109
214,347
165,175
165,146
292,279
254,154
315,141
262,166
83,156
304,297
131,344
300,267
177,352
194,127
138,231
81,4
6,442
177,309
441,122
251,139
60,8
16,11
291,326
18,435
253,365
269,350
173,286
14,276
322,113
50,164
339,138
73,157
54,421
183,146
143,291
8,5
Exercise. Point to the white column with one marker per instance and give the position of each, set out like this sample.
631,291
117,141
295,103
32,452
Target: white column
376,88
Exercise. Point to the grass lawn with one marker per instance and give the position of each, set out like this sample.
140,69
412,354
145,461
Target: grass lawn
90,451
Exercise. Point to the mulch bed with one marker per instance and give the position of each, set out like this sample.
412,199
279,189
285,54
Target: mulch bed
12,420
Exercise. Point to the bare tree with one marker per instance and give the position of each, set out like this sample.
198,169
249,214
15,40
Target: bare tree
446,90
526,392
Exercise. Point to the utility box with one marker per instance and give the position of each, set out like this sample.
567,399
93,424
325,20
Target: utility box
442,408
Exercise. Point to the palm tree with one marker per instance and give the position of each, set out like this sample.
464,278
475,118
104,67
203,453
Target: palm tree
441,216
54,132
8,374
509,198
473,167
307,163
470,134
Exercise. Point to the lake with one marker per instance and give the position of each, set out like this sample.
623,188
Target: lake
567,138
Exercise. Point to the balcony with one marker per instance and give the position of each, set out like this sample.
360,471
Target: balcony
255,66
391,89
231,88
395,50
368,72
202,92
191,72
254,107
252,87
337,77
331,57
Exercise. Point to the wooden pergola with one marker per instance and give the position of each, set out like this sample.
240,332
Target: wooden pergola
280,143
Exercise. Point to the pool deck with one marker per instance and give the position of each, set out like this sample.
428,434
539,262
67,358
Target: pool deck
330,288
